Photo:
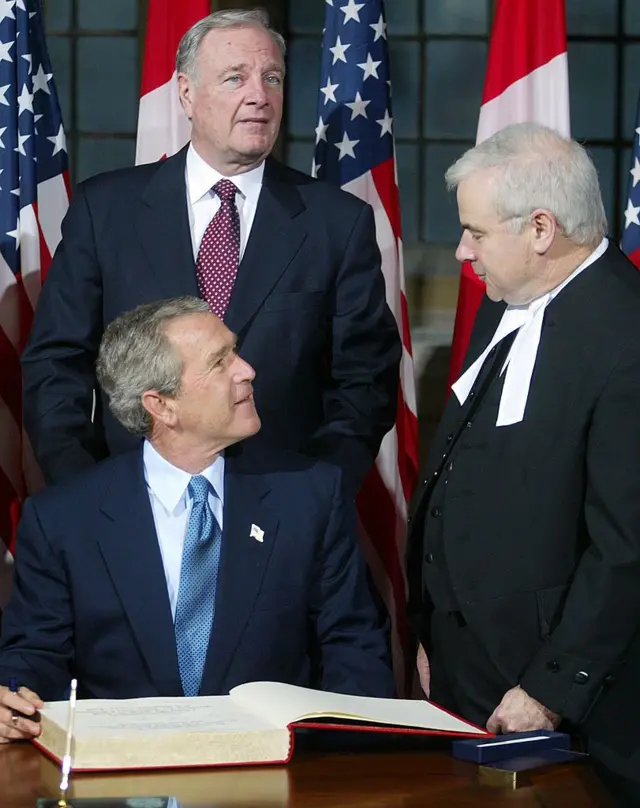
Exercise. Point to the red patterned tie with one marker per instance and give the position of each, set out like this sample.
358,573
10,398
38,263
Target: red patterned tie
219,253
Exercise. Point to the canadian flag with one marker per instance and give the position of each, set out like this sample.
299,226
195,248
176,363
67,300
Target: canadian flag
163,128
527,80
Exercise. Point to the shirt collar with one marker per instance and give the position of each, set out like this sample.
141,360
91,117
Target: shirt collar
201,178
169,483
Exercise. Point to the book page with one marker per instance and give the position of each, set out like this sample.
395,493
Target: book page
129,717
283,704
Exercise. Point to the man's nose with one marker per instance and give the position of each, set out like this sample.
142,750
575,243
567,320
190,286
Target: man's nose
464,251
257,92
244,370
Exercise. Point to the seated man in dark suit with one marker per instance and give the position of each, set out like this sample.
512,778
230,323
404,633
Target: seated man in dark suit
191,564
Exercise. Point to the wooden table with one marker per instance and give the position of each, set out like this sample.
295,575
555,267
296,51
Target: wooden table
314,779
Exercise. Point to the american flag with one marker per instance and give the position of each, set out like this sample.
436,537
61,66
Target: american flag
34,196
631,233
355,149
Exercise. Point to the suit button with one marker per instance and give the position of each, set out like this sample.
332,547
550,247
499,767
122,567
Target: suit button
435,474
472,394
609,680
581,678
449,438
429,558
436,513
468,424
409,519
553,666
450,467
425,481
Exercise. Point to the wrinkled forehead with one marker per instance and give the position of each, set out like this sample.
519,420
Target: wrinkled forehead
247,45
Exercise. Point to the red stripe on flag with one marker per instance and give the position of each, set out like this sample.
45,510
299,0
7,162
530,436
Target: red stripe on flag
384,178
540,31
381,522
45,255
167,21
634,257
407,431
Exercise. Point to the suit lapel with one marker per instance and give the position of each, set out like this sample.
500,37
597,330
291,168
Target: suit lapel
243,563
163,227
274,240
129,545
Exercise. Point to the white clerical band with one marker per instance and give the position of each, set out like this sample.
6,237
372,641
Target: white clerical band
522,356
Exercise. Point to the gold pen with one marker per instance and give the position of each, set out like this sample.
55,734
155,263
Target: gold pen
66,760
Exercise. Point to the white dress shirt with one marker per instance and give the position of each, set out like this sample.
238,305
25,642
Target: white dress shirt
204,203
520,363
171,506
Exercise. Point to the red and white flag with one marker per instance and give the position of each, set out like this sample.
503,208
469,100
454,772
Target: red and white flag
163,128
527,79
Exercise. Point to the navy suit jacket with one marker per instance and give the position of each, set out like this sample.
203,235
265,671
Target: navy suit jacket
308,307
90,597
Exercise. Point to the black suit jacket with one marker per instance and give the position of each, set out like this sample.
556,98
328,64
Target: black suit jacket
308,307
542,522
90,595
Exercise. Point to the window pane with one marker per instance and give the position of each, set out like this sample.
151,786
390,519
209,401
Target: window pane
407,157
57,15
591,16
303,76
404,58
110,14
300,155
605,162
60,52
592,91
402,16
631,89
441,224
632,17
306,18
455,75
456,16
108,84
103,154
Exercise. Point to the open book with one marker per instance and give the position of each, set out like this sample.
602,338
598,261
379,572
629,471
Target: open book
253,724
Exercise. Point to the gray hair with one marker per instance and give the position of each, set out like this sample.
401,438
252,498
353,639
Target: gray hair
227,18
135,356
538,168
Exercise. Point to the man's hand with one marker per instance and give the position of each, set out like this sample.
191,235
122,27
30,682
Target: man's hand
424,671
518,712
17,728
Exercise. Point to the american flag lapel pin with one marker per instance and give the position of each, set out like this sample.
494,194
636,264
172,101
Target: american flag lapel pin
257,533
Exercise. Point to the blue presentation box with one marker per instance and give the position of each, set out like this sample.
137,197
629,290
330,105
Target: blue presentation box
516,744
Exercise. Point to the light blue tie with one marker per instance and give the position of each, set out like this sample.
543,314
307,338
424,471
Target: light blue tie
195,608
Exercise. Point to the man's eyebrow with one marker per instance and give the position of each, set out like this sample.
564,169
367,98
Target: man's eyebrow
273,66
216,356
473,228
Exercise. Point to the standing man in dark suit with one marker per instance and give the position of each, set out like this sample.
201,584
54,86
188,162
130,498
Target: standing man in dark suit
184,567
525,539
291,265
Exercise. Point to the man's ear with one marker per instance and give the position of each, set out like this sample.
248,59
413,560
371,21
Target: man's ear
185,92
544,229
161,408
